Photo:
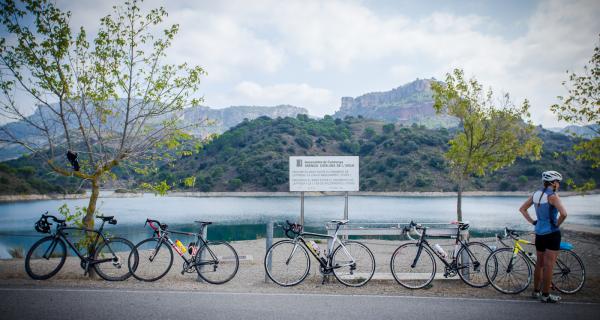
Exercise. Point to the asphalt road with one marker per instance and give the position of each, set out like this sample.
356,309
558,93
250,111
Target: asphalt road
62,303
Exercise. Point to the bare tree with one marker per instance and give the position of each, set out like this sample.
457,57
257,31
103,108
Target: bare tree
108,100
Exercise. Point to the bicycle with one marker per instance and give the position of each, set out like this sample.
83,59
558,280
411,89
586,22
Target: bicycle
215,262
47,256
287,262
510,269
414,267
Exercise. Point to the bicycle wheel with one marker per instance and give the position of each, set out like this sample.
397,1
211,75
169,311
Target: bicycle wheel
45,258
411,276
154,260
289,263
508,273
568,275
217,262
471,264
114,253
353,264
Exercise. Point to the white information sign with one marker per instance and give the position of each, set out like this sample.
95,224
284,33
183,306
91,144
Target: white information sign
323,173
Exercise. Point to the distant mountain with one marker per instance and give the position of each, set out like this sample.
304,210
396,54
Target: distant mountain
223,119
407,104
220,121
588,132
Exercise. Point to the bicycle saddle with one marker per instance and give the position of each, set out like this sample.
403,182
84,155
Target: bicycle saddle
204,222
340,222
105,218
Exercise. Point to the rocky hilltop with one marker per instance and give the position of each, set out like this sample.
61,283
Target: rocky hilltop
407,104
223,119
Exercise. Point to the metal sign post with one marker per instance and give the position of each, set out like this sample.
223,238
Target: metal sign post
302,209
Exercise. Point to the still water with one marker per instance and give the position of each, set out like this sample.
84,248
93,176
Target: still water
243,218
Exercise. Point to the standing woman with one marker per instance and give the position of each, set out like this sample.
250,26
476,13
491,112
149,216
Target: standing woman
550,215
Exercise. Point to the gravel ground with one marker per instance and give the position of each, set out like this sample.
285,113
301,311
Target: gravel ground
251,274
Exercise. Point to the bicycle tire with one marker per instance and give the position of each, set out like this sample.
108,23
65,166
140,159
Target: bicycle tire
112,247
147,268
477,277
52,265
496,270
404,256
347,277
562,270
225,255
279,258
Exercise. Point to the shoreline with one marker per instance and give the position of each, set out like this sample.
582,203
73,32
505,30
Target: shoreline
262,194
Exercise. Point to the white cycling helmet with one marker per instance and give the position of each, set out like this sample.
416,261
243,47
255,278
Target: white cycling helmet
551,176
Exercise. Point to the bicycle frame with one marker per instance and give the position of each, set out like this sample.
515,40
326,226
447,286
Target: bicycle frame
60,234
200,242
452,264
329,258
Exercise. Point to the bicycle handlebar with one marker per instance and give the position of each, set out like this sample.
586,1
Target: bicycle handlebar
150,222
295,228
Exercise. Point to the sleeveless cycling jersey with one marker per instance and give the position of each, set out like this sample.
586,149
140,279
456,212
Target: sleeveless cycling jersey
547,214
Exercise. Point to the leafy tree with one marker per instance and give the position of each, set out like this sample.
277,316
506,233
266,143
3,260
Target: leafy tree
582,107
492,132
108,100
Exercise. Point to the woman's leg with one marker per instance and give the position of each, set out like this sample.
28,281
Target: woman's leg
537,275
549,261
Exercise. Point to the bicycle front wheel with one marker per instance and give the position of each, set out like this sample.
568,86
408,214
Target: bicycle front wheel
568,275
45,258
353,264
217,262
410,271
287,263
507,272
111,257
154,260
471,264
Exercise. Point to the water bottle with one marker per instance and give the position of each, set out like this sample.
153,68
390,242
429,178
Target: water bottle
440,251
192,249
314,248
181,247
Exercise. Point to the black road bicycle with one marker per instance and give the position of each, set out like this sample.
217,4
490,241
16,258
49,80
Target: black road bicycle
215,261
413,264
287,262
107,255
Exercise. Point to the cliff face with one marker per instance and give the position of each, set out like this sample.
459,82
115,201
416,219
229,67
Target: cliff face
407,104
223,119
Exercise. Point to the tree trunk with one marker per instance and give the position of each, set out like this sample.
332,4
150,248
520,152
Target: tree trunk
459,200
88,222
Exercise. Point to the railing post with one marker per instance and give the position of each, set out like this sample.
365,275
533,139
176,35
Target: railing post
464,256
205,236
268,244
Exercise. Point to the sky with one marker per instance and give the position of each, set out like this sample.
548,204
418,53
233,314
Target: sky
312,53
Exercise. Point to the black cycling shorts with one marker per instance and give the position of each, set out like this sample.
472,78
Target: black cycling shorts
550,241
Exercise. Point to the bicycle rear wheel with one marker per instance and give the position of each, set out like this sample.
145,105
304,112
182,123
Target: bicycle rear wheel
407,275
45,258
116,252
508,273
217,262
289,263
471,264
154,260
353,264
568,275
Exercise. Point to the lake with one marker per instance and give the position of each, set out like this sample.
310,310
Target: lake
243,218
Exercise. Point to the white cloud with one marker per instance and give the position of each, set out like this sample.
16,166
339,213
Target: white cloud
263,41
318,101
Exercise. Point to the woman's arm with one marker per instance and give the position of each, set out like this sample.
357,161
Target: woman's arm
555,201
524,208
